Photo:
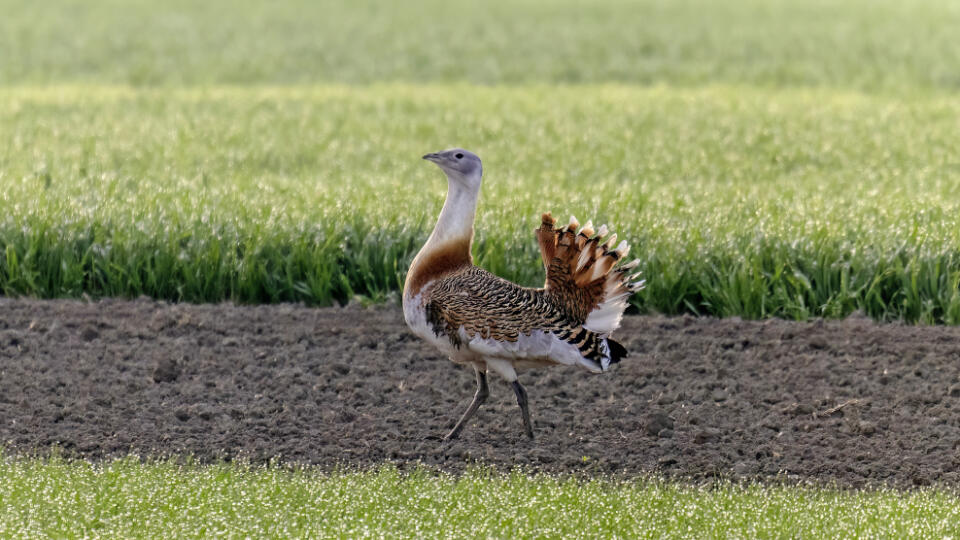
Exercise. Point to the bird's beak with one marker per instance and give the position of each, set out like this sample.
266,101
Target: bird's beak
432,157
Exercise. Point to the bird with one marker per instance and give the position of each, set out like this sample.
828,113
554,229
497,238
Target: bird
480,320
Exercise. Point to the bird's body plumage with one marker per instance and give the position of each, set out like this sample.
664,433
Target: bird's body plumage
472,314
477,318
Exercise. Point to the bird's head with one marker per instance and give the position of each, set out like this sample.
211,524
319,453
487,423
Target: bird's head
460,165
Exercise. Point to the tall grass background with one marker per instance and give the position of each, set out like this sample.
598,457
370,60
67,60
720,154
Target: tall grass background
783,158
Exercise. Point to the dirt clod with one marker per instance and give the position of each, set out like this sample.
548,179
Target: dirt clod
166,370
706,436
799,409
89,333
656,422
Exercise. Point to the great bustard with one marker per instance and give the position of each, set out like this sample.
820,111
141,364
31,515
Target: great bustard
479,319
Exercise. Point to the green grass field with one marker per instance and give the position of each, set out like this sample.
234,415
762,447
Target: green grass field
127,498
869,45
738,200
764,157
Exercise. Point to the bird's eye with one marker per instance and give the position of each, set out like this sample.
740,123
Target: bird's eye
459,156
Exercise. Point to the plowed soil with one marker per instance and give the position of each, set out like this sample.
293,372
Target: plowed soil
851,402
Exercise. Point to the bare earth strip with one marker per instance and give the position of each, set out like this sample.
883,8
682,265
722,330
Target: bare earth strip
851,401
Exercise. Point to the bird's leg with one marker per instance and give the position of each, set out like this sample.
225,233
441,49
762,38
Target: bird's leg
478,398
522,401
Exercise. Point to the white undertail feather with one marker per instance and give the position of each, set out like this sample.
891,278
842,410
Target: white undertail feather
622,249
587,230
610,241
619,283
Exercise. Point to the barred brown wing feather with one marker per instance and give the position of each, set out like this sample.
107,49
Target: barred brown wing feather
486,305
510,321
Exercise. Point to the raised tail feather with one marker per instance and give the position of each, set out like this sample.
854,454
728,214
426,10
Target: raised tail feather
585,274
